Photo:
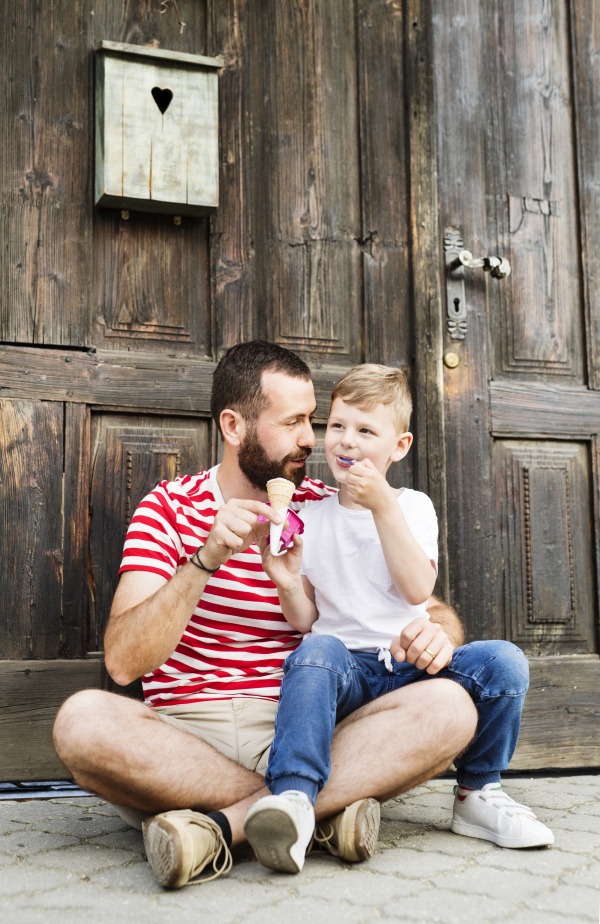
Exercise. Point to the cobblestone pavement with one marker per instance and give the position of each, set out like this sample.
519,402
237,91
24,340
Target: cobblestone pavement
75,862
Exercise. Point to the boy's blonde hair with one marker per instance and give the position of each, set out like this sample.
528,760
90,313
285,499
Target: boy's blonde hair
372,384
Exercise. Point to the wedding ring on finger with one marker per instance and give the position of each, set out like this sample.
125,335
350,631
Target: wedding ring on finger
430,652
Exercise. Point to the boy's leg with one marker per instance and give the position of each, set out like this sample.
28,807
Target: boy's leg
496,675
322,685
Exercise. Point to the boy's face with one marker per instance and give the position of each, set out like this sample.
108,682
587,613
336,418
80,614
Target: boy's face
355,434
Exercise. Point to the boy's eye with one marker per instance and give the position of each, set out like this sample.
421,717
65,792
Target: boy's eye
364,430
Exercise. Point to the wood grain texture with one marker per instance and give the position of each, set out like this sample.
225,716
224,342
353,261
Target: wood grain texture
384,183
534,410
425,249
31,693
45,173
76,527
151,284
560,727
31,457
542,317
544,500
585,30
123,379
131,455
307,204
231,232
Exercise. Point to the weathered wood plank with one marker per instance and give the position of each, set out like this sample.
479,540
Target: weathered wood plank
561,718
384,183
141,22
534,410
180,57
307,200
427,297
585,30
31,693
45,173
31,462
231,249
76,527
124,379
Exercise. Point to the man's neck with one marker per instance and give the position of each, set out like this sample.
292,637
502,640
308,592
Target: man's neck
234,484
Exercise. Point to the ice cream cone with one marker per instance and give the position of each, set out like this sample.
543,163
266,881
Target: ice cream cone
280,492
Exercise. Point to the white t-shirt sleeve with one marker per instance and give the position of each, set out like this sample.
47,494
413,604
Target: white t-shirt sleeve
422,521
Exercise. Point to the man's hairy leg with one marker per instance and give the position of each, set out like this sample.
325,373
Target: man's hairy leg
118,748
388,746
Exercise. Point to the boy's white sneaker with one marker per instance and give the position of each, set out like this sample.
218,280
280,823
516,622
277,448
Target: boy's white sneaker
279,829
492,815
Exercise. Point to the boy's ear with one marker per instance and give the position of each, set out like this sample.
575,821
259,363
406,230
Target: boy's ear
403,445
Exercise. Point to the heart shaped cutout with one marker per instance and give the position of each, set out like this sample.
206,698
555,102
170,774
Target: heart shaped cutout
162,98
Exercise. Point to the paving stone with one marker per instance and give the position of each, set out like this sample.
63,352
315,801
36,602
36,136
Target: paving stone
551,800
585,877
494,883
366,889
587,822
392,830
88,895
86,859
577,842
28,843
82,825
438,905
33,812
129,839
412,864
7,824
591,808
543,860
6,860
27,879
420,814
309,911
316,866
545,917
448,843
227,900
568,900
136,878
438,799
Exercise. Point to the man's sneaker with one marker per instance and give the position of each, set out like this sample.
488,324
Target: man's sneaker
492,815
351,834
180,844
279,829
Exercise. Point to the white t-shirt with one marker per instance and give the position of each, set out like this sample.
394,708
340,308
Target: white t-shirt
343,560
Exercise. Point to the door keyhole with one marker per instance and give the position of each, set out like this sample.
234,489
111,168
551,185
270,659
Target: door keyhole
457,306
162,98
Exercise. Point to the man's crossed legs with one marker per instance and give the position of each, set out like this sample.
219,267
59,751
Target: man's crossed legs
120,749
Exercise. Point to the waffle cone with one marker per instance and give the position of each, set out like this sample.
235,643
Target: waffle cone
280,492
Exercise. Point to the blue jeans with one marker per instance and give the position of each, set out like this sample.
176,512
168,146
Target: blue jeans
324,682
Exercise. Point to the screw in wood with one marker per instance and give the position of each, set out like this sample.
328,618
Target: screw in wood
177,219
125,214
451,360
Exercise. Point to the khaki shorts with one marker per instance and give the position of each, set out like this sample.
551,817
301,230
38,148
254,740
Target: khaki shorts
241,729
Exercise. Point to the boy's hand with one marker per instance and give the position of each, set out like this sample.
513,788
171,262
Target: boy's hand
368,487
284,570
424,644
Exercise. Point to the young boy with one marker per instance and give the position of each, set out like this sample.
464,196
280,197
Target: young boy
363,572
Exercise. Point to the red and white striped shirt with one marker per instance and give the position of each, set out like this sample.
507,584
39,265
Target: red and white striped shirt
237,639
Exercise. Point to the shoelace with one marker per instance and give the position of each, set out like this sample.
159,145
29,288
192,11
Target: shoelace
504,803
323,840
220,848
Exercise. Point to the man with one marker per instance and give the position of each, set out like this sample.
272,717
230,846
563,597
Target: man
210,649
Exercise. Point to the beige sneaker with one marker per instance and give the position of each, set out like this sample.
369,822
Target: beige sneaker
351,834
180,844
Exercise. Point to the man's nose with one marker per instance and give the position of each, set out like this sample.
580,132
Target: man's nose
307,437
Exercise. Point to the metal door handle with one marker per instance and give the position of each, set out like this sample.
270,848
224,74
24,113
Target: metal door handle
456,260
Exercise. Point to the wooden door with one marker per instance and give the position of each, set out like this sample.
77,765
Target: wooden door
110,329
518,134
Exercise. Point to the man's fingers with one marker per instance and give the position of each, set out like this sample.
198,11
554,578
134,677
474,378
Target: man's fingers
256,507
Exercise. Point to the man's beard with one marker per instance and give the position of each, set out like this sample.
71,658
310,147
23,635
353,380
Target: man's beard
258,468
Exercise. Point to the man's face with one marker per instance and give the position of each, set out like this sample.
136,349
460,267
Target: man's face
280,441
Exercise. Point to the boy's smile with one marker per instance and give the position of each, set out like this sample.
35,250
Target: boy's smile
355,434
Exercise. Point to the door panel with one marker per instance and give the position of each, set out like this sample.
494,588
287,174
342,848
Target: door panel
521,420
131,455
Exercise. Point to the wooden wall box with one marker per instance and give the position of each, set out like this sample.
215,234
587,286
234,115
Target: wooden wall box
157,146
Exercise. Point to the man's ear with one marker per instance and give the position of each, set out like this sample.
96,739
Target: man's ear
403,445
233,427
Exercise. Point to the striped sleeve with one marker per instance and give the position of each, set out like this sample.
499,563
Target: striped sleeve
153,542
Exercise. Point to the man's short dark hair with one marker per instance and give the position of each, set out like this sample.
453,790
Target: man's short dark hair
237,380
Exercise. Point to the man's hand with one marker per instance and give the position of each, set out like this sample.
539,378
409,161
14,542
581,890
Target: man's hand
284,570
368,487
234,529
424,644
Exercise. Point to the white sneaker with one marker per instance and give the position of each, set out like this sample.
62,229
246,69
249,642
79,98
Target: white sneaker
492,815
279,828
